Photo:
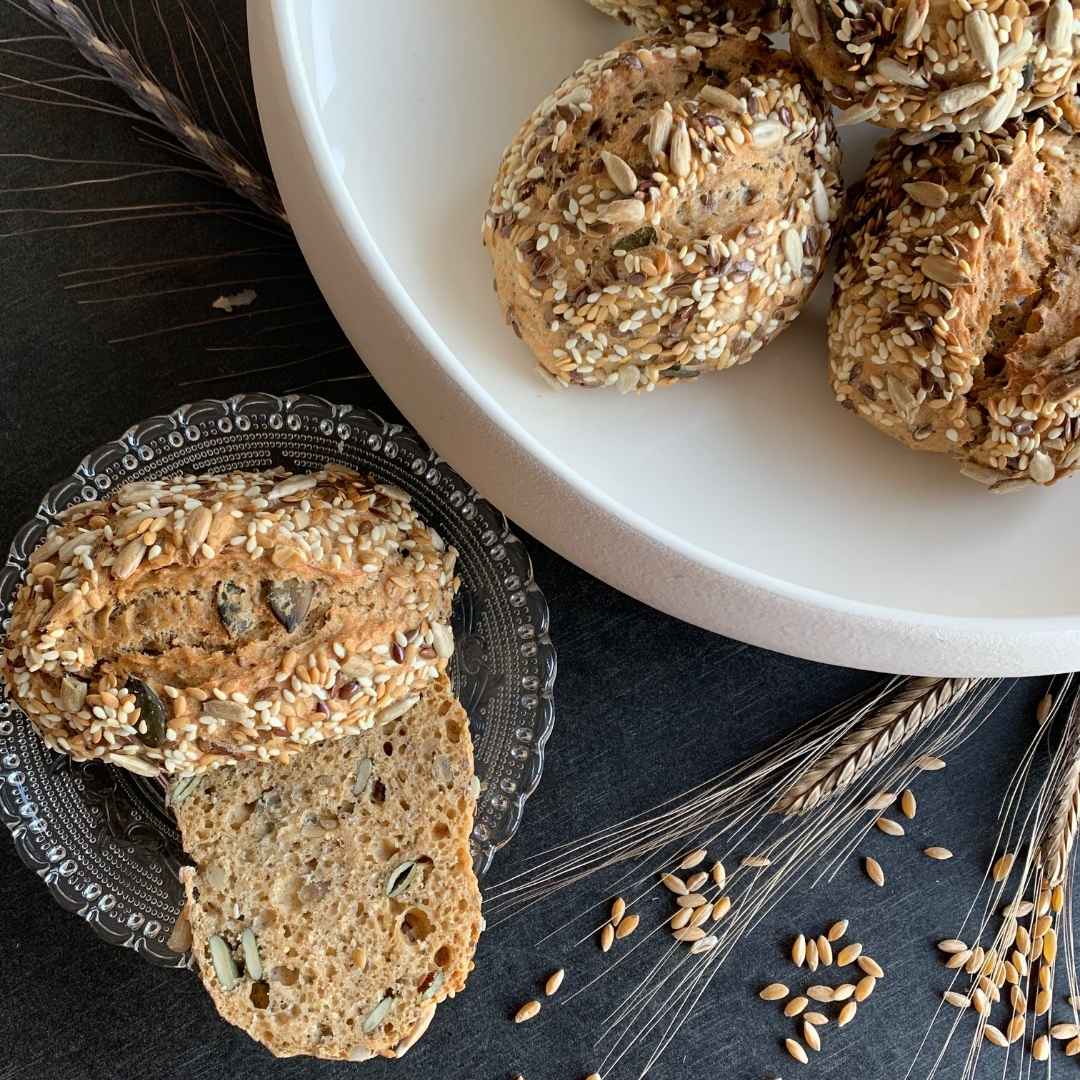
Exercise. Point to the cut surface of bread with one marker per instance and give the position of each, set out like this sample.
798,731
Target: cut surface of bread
333,902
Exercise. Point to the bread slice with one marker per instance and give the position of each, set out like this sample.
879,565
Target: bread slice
333,902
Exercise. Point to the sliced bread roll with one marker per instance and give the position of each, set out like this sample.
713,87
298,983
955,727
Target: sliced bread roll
333,902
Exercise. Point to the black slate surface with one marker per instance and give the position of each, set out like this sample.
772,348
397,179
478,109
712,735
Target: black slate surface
647,706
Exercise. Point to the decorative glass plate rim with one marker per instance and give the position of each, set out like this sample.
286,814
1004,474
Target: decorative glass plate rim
79,485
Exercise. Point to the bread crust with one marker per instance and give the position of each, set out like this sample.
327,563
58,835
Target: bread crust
651,15
180,626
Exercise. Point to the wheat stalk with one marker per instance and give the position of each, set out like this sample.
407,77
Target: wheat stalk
162,104
1057,841
900,715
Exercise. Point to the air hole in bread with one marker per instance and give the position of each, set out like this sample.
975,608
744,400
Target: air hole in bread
287,976
453,731
347,808
405,805
388,749
378,792
442,956
387,848
260,995
415,925
240,813
440,830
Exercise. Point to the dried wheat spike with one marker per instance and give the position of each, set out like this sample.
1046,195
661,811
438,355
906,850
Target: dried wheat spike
1060,833
163,105
896,719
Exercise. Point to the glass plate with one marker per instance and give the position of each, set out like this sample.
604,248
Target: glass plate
100,837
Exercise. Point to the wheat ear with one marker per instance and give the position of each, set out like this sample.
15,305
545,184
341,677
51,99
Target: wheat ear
1060,833
162,104
901,714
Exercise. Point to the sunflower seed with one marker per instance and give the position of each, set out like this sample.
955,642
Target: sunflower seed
234,608
714,95
793,250
224,964
152,715
795,1006
874,871
623,212
427,1014
837,930
938,853
660,131
819,196
926,193
434,986
807,22
681,153
396,711
796,1051
896,72
290,601
197,529
767,134
943,271
1059,26
981,33
958,98
127,562
622,176
773,992
914,20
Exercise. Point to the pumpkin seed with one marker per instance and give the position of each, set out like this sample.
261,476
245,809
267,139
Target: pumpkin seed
234,609
363,776
152,713
401,877
224,964
290,601
378,1014
252,960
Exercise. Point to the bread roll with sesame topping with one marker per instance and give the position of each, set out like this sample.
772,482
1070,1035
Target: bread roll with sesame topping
955,324
665,212
922,65
652,15
186,624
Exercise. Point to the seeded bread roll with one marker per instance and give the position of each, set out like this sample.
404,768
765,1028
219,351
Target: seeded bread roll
188,624
333,903
922,65
652,15
955,324
666,212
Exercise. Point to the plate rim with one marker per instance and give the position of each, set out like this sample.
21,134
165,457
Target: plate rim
31,530
698,585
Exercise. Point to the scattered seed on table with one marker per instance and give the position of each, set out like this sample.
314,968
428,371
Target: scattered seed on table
796,1005
554,981
929,763
816,1018
849,954
1072,1047
865,987
798,951
869,966
526,1012
847,1014
881,801
995,1035
958,959
773,992
843,992
706,944
1040,1049
837,930
824,951
607,937
889,827
811,955
874,871
681,918
628,925
756,862
695,881
1003,866
689,933
957,1001
810,1036
1016,1027
1064,1031
721,908
1018,1000
701,915
1050,946
618,910
691,900
952,945
1042,1002
594,1076
695,858
979,1001
908,805
675,884
796,1051
938,853
719,874
820,993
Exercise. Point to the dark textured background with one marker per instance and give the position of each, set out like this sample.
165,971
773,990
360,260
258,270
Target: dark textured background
647,706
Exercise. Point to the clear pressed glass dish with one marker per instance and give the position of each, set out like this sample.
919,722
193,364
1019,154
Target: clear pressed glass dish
99,837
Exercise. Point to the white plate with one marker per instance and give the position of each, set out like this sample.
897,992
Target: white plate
747,502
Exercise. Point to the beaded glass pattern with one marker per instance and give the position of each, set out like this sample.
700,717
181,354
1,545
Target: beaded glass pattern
100,837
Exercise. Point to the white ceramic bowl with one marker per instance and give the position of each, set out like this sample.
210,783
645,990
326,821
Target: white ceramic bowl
747,502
